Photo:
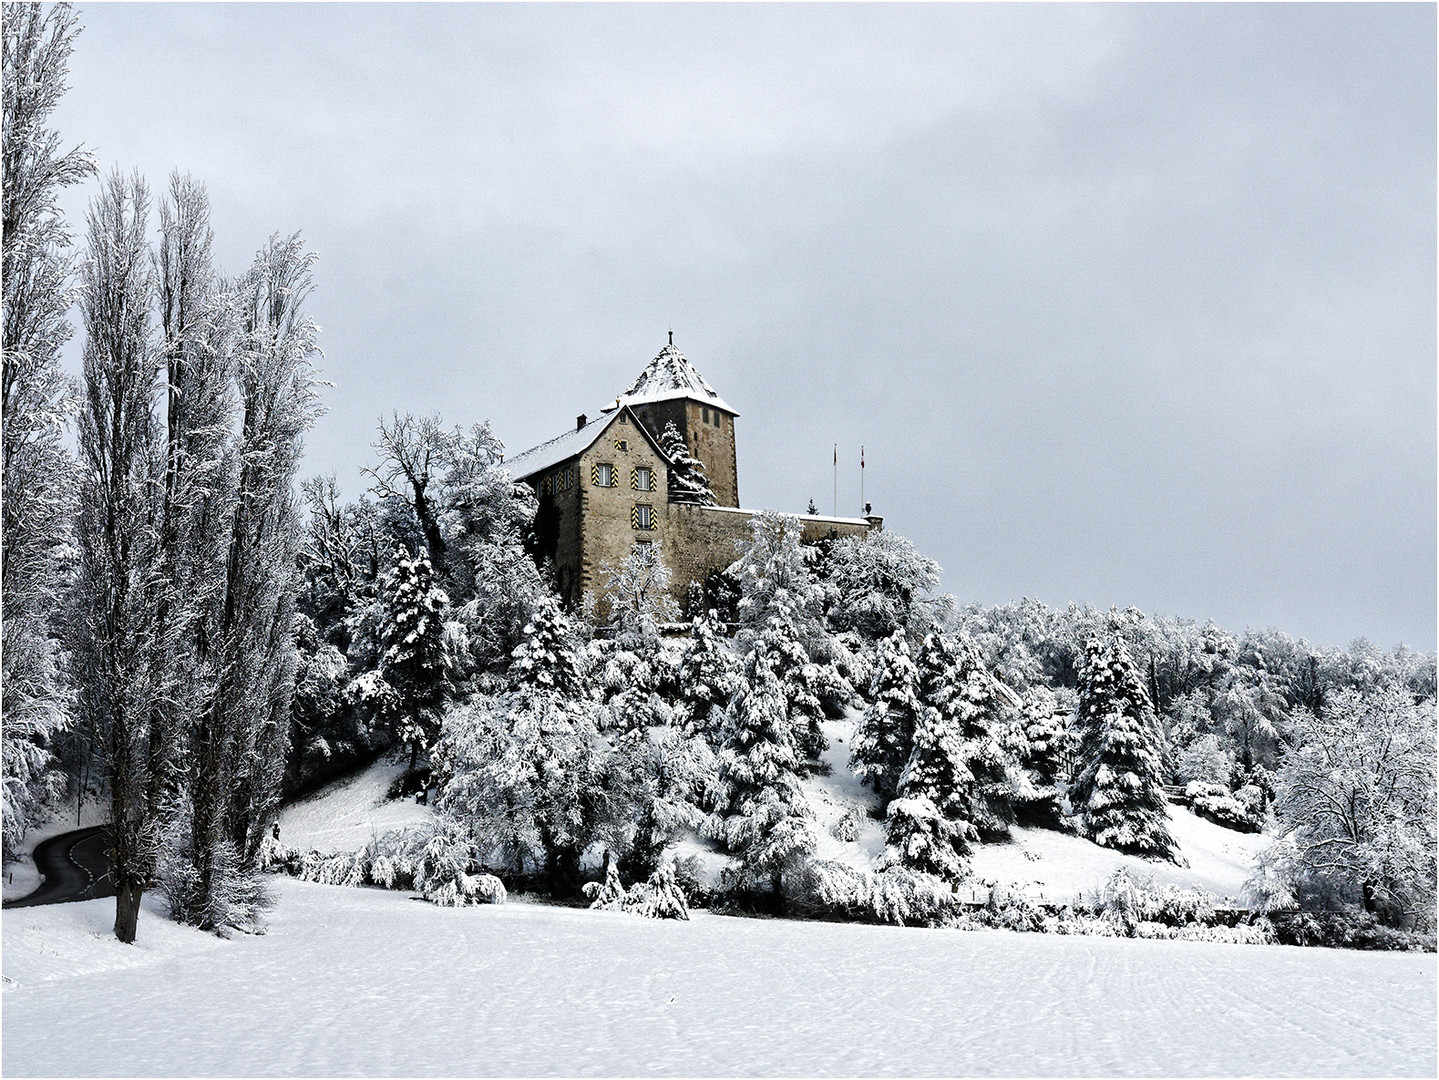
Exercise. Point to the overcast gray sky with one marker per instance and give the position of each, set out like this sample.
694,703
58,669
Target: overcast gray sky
1127,304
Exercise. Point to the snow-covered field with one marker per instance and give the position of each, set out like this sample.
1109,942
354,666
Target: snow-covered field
364,982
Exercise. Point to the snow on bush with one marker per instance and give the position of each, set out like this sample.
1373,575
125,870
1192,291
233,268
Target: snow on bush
895,895
661,897
1214,803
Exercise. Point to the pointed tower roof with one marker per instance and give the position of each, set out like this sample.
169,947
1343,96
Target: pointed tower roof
669,375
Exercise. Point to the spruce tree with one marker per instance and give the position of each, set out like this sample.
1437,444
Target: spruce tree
884,738
1118,794
767,823
709,677
977,787
1044,740
414,642
687,474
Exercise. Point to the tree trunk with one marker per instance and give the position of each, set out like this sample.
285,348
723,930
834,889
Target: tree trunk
127,910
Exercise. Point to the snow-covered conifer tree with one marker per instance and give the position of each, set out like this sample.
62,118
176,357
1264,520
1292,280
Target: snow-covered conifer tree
637,594
688,483
39,474
527,769
709,678
884,737
969,705
670,775
767,821
1118,793
414,640
1045,745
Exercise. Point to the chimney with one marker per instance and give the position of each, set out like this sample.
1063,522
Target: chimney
579,421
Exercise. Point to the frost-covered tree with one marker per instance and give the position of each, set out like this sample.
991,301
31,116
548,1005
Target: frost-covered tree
528,769
38,473
959,782
687,483
1118,793
709,678
884,737
766,820
1043,758
776,578
414,663
117,585
240,739
671,775
1356,796
780,597
637,595
882,585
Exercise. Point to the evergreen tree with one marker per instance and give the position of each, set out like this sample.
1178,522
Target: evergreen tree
709,678
767,820
1043,757
1118,794
977,788
414,640
688,483
884,737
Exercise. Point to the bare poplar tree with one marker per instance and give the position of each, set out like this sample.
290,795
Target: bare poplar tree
38,401
117,585
241,734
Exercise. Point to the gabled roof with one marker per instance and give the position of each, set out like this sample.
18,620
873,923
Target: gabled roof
571,444
669,375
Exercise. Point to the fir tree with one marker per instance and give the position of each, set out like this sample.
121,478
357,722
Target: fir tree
687,474
962,751
884,738
709,677
1044,742
414,643
767,823
1118,793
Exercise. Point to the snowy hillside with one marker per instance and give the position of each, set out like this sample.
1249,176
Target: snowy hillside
347,814
1039,862
367,982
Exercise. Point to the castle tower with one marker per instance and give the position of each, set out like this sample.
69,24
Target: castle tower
669,389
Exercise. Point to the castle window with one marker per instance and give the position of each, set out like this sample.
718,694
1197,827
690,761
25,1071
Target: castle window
622,444
642,516
642,478
624,419
707,414
602,474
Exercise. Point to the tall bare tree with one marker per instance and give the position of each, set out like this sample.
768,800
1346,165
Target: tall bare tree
242,732
38,473
119,503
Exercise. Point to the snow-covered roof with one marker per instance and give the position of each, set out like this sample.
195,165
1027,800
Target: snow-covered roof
571,444
560,448
669,375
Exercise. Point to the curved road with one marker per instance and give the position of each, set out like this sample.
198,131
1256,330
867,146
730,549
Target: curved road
76,866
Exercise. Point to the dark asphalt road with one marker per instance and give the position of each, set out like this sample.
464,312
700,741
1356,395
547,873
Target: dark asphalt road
76,866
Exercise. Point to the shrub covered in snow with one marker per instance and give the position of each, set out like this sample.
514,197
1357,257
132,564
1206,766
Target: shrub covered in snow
895,895
661,897
1213,802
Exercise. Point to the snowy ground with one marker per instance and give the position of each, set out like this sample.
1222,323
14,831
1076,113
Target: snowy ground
346,815
364,982
1040,862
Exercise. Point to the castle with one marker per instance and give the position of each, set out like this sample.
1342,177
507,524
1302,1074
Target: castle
604,486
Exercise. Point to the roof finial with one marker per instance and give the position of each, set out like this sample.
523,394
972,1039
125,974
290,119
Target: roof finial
672,337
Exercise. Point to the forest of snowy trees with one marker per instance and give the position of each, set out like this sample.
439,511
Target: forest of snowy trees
192,634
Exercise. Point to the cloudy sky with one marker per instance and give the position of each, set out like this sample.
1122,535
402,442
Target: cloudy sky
1126,304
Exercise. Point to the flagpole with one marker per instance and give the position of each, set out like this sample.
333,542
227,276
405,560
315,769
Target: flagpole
836,480
861,481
